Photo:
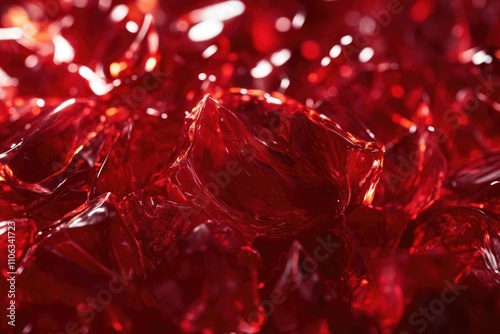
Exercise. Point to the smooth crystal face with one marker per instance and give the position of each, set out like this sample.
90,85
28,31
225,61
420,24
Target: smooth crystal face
269,163
246,167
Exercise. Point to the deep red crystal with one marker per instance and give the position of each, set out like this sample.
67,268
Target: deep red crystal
252,140
349,184
214,269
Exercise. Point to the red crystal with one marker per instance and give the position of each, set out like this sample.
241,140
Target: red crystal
158,224
95,258
302,302
478,183
403,280
254,140
211,285
464,232
236,166
414,171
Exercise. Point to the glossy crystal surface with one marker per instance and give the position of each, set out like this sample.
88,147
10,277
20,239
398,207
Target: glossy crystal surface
234,166
272,165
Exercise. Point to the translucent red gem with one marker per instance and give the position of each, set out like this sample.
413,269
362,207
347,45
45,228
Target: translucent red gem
248,167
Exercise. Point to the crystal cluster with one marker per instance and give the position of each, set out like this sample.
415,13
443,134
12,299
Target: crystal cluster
250,166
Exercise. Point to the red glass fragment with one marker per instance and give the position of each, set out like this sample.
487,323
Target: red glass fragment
158,224
149,195
211,284
303,303
85,261
414,171
399,280
466,233
478,183
254,139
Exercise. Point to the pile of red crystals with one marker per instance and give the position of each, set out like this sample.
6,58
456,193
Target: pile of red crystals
319,166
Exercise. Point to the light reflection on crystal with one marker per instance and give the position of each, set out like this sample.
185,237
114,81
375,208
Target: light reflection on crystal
96,97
